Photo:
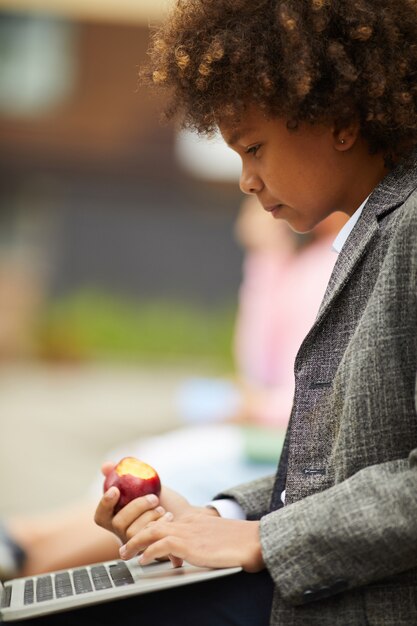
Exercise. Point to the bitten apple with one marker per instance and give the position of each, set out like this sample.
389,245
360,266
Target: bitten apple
134,479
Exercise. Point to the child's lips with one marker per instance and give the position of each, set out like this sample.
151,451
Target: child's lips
274,208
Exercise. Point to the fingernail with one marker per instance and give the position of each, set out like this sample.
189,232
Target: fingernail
140,558
152,498
160,509
168,516
123,551
110,494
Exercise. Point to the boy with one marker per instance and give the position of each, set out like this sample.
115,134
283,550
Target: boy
318,98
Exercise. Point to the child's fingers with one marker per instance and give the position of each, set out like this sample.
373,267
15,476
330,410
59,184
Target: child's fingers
146,518
140,541
131,518
173,546
175,560
107,467
105,510
133,512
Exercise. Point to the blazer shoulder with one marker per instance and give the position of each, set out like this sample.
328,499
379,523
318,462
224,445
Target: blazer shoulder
404,236
408,219
411,202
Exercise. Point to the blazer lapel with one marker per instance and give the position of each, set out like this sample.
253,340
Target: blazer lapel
390,194
353,250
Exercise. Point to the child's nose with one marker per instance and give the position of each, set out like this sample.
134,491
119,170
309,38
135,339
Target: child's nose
250,183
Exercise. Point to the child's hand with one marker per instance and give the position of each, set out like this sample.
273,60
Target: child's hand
201,538
139,512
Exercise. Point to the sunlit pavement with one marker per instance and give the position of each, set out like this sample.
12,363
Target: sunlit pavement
58,423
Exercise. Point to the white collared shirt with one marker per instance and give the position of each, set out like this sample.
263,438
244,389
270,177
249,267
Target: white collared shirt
228,508
344,233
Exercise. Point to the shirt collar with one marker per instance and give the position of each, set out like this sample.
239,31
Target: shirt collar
344,233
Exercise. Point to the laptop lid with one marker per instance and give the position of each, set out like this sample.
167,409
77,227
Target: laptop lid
63,590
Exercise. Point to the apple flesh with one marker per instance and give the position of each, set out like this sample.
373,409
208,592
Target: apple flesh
134,479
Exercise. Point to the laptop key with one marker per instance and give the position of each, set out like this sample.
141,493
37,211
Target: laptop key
63,585
82,582
44,589
7,597
100,577
29,592
120,574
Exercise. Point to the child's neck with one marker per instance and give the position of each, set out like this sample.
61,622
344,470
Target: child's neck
366,172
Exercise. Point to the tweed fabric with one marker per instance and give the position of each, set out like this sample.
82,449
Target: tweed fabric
343,549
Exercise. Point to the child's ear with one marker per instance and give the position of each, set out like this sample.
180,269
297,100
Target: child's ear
344,138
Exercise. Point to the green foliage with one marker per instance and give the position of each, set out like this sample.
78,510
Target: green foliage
93,325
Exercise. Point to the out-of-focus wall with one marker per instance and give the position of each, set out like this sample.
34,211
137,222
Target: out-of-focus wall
92,197
91,193
129,11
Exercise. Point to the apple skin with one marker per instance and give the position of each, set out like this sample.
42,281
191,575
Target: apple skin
134,479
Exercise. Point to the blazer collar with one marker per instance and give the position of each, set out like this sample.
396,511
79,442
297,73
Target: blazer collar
390,194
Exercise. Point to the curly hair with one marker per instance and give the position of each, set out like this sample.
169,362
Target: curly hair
316,61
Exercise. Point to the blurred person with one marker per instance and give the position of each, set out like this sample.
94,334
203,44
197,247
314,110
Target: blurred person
235,430
284,278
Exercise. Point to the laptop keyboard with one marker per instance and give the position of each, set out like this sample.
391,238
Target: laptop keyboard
77,581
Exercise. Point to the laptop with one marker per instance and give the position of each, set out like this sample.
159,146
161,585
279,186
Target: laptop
23,598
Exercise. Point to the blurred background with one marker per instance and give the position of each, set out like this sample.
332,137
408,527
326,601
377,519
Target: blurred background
119,269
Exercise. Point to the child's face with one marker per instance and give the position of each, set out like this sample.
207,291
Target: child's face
299,175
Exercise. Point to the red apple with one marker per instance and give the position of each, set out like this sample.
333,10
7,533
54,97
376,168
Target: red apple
134,479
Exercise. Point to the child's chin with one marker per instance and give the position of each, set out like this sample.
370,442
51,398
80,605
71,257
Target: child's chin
300,227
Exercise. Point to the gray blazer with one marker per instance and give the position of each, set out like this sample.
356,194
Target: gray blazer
343,549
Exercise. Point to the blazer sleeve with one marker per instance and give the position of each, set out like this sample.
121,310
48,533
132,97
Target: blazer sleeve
357,532
254,497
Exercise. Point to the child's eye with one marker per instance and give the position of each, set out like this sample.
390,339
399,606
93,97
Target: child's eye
253,150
